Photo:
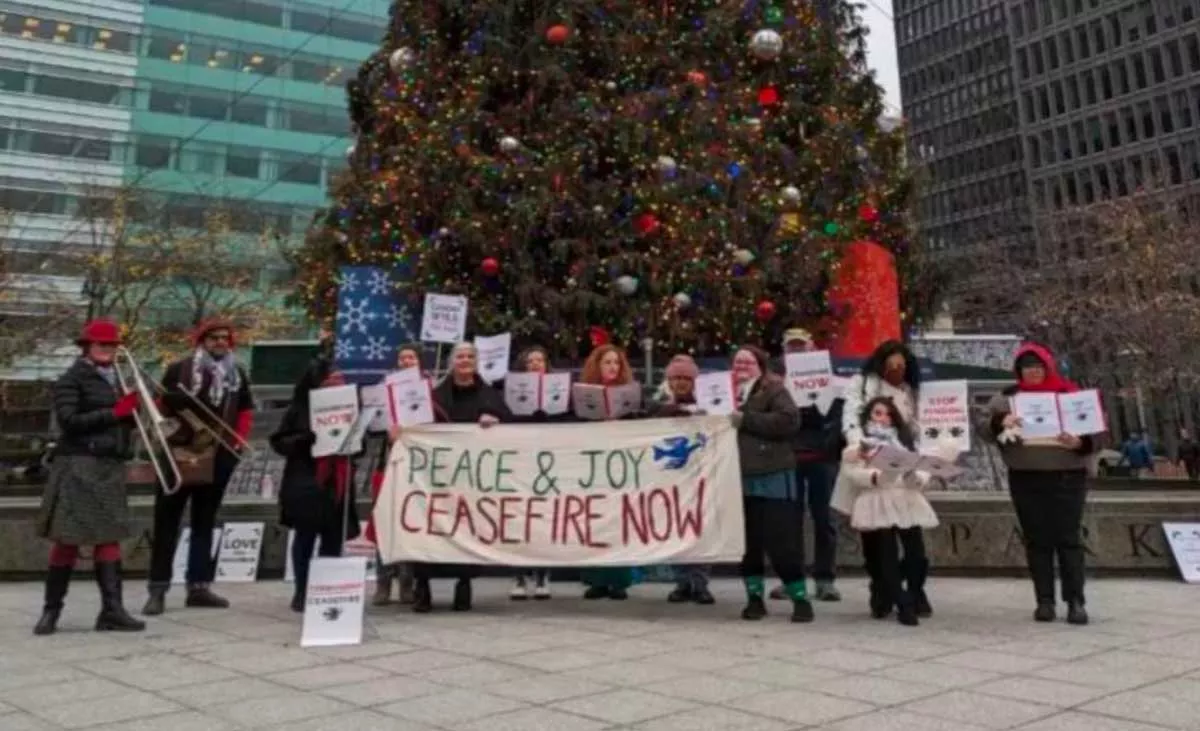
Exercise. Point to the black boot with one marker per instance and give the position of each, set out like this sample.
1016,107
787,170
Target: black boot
755,609
680,594
58,580
156,602
1045,612
113,617
907,611
802,611
199,596
596,592
915,572
422,597
881,603
462,596
1076,614
1041,570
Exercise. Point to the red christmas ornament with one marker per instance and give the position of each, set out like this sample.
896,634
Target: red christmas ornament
645,224
489,266
598,336
768,96
697,77
765,311
557,34
868,213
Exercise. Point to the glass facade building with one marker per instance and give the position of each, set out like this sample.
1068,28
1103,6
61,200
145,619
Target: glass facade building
241,101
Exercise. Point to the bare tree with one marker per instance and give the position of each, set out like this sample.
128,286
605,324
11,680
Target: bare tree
37,309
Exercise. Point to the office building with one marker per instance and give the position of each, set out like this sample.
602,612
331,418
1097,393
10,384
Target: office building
959,97
1110,97
240,102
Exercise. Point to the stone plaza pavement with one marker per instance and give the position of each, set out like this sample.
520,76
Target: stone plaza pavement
567,665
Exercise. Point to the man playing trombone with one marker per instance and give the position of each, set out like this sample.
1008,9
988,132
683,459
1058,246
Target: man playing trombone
208,394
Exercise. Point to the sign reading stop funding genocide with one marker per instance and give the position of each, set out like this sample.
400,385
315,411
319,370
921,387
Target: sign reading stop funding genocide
599,494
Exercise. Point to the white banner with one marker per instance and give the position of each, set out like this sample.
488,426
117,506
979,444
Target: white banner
241,548
601,494
333,612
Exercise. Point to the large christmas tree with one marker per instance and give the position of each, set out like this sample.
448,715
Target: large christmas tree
686,170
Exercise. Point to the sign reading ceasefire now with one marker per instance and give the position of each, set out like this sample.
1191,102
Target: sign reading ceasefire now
596,494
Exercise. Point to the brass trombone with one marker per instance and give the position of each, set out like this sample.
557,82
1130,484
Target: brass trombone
152,426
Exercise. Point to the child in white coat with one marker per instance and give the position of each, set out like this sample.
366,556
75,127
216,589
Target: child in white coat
890,510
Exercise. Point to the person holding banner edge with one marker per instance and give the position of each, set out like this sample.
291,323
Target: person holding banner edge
677,397
316,495
818,446
767,421
607,365
534,359
409,356
462,397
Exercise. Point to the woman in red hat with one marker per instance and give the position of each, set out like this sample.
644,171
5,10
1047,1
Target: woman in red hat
85,502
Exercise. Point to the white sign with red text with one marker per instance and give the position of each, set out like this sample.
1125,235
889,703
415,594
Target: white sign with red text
810,379
944,413
625,493
332,413
334,602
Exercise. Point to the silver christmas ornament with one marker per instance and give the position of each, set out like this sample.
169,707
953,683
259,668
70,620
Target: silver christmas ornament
626,284
766,44
401,59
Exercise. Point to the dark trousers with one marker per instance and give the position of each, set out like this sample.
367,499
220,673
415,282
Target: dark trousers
168,515
895,579
1049,507
302,550
772,531
815,481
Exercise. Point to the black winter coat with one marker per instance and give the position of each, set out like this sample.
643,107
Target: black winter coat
83,411
459,405
305,502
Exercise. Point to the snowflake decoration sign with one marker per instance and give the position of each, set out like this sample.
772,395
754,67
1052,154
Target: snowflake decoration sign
373,320
444,319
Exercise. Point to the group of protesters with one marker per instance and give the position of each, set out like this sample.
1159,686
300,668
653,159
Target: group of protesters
793,459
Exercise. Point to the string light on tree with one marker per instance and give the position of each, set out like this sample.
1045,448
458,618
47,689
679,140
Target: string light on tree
652,171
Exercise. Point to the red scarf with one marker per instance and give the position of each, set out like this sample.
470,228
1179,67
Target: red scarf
1054,381
339,469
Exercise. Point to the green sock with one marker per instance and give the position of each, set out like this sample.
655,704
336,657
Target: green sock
797,590
754,586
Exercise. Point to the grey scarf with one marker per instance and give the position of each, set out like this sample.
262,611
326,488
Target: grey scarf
221,374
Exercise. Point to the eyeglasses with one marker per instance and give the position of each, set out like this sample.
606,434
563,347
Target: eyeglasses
217,337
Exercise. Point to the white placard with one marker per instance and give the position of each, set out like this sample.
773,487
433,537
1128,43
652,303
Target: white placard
893,460
630,493
1039,416
241,549
335,601
1082,413
411,403
810,379
332,412
180,562
444,319
590,402
715,393
1184,540
623,400
404,375
523,393
556,393
376,397
494,352
944,413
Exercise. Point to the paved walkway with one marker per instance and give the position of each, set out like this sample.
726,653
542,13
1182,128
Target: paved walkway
567,665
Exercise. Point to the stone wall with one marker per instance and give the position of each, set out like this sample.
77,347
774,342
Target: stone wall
978,535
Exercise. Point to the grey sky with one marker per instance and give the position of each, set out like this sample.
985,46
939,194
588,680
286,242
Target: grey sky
881,49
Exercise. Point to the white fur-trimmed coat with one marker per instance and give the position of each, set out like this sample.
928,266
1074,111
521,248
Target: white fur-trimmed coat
874,502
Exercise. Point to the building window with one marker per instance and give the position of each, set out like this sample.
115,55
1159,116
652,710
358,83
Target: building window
112,40
76,89
1192,43
33,201
46,143
208,107
305,170
1183,109
153,152
313,119
243,163
250,110
167,102
13,81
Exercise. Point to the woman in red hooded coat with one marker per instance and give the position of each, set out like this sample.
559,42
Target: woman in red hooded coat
1048,483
